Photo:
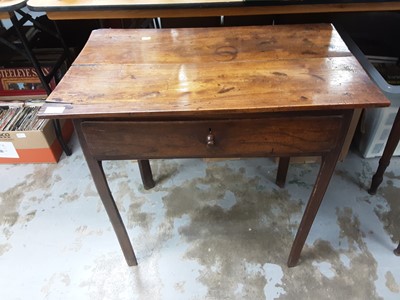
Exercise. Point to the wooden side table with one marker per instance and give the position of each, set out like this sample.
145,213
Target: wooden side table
278,91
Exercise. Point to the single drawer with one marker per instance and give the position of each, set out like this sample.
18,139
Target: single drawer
274,136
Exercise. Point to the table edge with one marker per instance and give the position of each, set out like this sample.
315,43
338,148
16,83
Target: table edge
340,4
13,7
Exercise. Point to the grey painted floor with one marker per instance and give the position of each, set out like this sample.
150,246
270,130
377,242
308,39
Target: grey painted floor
208,230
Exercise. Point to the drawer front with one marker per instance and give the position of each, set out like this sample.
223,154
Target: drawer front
215,138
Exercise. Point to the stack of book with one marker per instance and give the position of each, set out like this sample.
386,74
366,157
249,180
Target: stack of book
21,118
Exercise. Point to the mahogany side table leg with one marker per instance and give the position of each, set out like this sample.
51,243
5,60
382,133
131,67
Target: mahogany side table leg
282,171
106,197
112,210
397,250
384,162
146,174
327,168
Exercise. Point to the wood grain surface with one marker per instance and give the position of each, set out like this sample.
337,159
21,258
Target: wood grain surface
214,71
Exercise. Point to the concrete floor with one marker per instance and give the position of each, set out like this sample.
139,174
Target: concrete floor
208,230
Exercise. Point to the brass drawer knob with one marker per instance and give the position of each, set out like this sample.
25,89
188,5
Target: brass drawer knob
210,139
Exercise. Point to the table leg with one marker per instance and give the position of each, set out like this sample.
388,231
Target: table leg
327,168
100,181
282,171
146,174
60,138
397,250
99,178
384,162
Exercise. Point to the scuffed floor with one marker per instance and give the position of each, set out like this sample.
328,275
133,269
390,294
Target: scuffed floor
208,230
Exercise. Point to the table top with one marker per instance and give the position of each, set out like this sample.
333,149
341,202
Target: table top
204,71
10,5
101,4
127,3
104,9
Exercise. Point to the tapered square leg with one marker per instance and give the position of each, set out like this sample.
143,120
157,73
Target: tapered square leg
282,171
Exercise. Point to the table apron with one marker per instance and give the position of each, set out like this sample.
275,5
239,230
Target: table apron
248,137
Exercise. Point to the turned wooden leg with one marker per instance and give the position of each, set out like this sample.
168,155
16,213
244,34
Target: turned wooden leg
282,171
397,250
106,197
384,162
391,145
325,173
146,174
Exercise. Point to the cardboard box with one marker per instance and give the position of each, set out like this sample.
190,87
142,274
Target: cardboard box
28,146
36,146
